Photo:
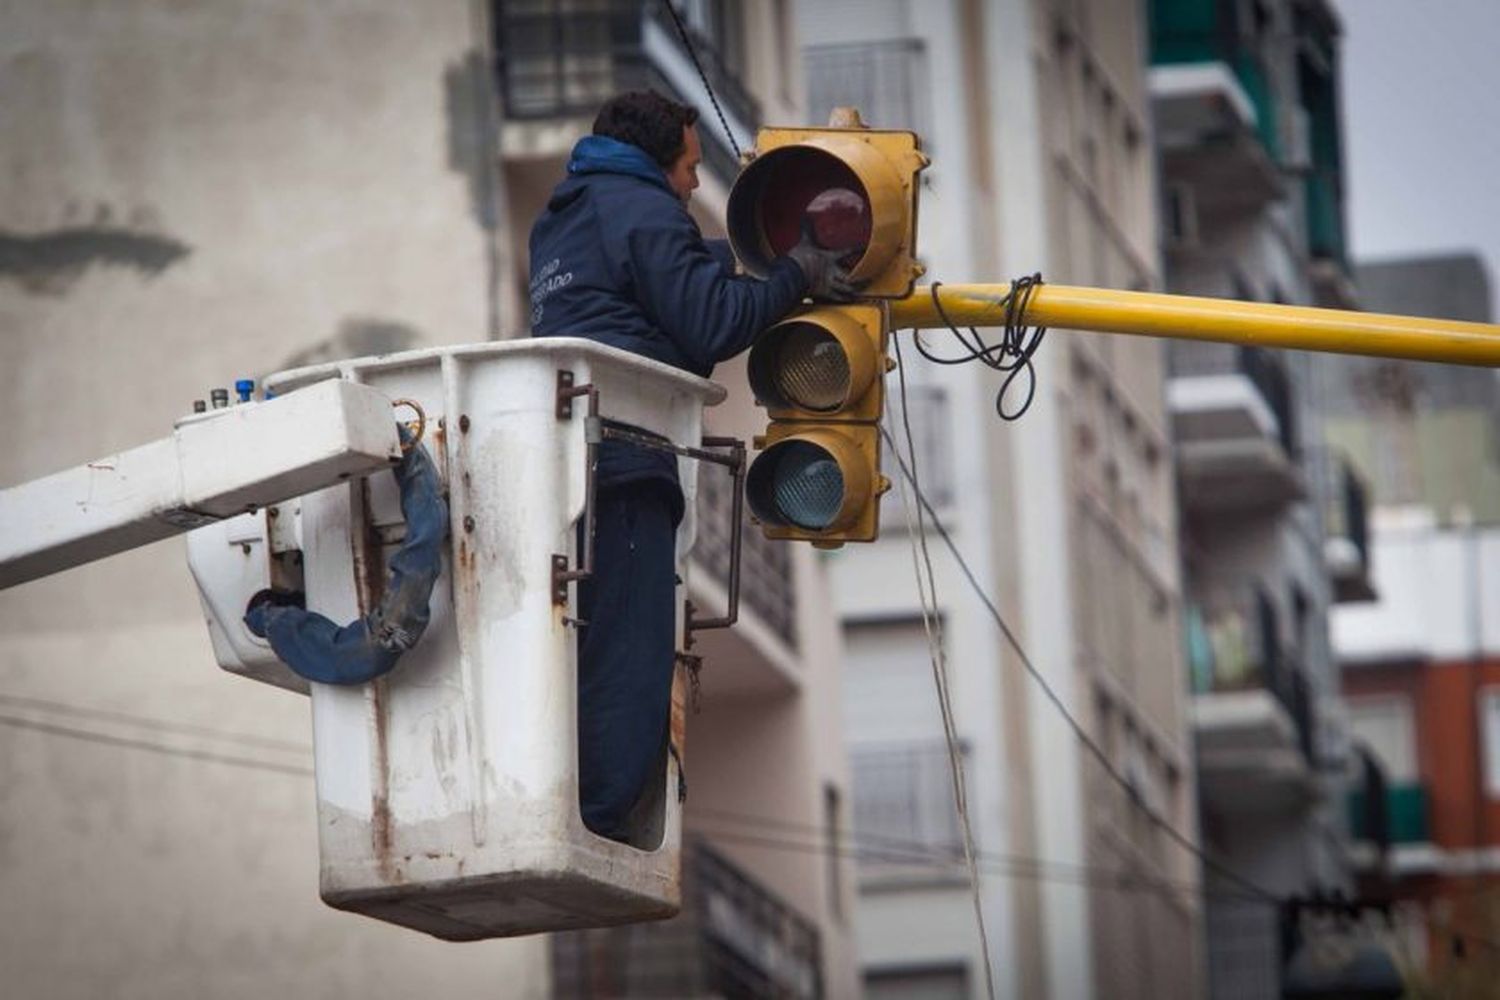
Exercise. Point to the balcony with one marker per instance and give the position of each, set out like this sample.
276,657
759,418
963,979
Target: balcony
1252,707
758,656
559,60
1346,543
1210,138
1212,101
904,819
1234,426
733,939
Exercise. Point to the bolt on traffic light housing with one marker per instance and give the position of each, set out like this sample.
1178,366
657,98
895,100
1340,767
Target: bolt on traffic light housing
856,187
820,375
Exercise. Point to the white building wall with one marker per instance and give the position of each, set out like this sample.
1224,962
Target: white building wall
1438,593
991,205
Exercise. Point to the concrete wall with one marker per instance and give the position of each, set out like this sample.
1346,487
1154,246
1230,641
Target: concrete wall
197,193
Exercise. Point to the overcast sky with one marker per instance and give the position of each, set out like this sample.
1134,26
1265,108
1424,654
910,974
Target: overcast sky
1422,127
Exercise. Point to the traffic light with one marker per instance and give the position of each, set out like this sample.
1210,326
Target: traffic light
820,374
856,186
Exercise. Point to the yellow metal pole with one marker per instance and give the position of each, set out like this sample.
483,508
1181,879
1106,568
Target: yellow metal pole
1189,318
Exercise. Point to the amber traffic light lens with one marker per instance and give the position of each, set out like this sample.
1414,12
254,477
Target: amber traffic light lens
801,365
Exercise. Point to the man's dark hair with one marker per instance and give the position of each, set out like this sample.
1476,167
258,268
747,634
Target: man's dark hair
646,119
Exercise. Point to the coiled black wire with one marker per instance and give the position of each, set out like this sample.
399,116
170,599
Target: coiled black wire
1018,343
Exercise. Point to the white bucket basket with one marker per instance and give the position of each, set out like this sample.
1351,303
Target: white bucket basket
448,789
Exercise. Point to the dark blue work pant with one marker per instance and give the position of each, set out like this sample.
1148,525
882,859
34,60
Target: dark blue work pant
625,651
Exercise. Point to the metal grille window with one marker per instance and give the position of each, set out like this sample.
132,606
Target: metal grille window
886,81
903,806
564,58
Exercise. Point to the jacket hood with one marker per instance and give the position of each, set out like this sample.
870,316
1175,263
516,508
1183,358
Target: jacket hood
598,154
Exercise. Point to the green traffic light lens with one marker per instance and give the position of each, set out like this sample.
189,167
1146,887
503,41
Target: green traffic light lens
812,370
796,483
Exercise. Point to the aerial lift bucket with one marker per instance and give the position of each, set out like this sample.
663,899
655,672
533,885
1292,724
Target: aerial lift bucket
448,789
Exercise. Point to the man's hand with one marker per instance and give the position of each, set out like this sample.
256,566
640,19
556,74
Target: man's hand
827,278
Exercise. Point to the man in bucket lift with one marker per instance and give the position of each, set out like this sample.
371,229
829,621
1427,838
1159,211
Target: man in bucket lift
616,258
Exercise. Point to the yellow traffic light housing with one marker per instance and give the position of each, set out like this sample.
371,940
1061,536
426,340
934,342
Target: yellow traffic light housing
820,374
855,187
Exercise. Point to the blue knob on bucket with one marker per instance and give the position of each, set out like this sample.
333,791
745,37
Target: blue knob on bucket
244,387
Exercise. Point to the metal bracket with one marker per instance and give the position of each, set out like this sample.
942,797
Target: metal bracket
735,463
561,575
598,430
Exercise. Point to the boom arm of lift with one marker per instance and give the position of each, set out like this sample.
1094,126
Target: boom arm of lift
212,466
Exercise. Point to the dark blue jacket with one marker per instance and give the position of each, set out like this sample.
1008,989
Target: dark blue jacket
617,258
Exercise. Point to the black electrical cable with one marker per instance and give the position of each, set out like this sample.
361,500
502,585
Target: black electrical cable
1255,892
886,848
1093,748
692,52
1012,356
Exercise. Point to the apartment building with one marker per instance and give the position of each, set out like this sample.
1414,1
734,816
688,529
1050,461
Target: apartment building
1273,532
218,190
1421,676
1036,116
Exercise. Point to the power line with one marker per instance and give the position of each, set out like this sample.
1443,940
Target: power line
1093,748
1018,866
932,626
925,853
107,739
1116,881
1257,892
146,722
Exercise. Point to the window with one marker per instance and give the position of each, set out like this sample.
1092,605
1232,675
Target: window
946,983
1384,724
886,81
888,688
1489,724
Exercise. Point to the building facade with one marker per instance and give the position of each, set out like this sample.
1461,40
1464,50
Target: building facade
1421,676
1036,116
1245,94
220,190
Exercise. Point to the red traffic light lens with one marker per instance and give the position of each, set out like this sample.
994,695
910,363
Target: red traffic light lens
787,186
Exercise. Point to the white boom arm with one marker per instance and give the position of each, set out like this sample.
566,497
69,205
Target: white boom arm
213,466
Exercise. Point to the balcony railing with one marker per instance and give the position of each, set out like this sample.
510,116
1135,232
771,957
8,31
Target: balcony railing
733,939
1346,543
1234,645
904,817
766,581
1269,375
564,58
1405,814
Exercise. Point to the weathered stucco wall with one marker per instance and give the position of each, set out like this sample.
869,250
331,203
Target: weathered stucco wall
194,193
